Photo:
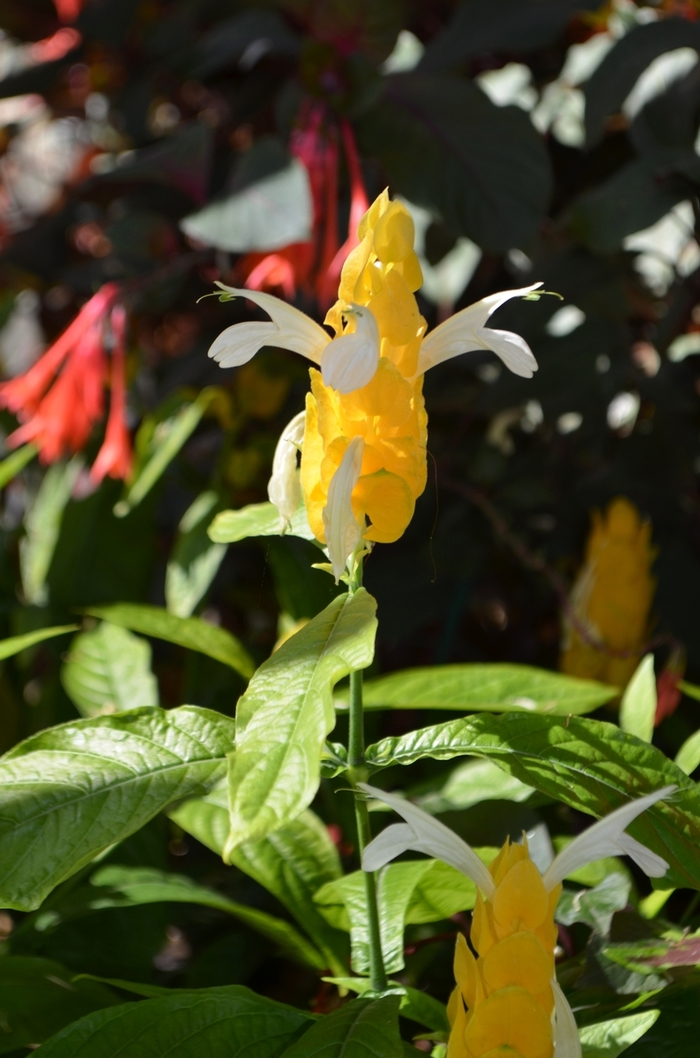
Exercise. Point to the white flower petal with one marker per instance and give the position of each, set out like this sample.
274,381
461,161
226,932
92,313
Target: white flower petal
295,330
607,838
284,487
350,361
392,842
461,333
566,1038
430,837
513,350
343,533
239,343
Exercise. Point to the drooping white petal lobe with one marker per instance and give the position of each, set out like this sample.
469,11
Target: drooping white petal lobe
350,361
466,331
423,834
343,533
607,838
292,330
284,487
239,343
566,1038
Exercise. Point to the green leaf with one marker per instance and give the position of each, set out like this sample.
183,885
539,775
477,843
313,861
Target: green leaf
14,463
416,1005
42,524
257,519
595,907
291,863
675,1034
166,439
638,706
591,766
230,1021
131,886
136,987
616,76
441,142
194,560
688,756
108,670
272,212
190,632
285,715
360,1029
414,892
607,1039
38,997
649,956
492,688
70,792
16,644
471,783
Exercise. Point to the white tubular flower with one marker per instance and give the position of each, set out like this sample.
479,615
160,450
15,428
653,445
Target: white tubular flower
566,1038
466,331
289,329
422,833
350,361
284,487
343,533
607,838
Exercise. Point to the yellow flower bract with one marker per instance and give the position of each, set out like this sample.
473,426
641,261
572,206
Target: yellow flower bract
381,273
613,594
503,1002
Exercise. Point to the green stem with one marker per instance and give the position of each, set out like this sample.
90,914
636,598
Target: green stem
358,773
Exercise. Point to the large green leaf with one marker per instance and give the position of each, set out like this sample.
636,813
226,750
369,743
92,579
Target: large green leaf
285,715
257,519
38,997
608,1039
589,765
291,863
109,670
415,1005
609,85
446,146
195,560
492,688
360,1029
414,892
471,783
228,1022
273,212
190,632
71,791
638,705
120,886
688,756
16,644
42,524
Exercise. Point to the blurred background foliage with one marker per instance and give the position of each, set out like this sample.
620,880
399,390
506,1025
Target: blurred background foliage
162,145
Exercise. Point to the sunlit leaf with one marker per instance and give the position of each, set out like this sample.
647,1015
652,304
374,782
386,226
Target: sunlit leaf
92,783
190,632
194,560
607,1039
638,705
591,766
42,524
16,461
492,688
109,670
285,715
257,519
16,644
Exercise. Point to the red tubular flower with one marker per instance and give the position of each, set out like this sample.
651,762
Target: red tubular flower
61,398
115,456
68,10
314,266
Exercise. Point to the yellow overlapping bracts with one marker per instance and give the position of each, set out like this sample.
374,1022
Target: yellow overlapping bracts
612,596
503,1002
381,273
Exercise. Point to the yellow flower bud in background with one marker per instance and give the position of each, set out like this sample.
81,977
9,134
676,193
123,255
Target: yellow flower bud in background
612,596
388,412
